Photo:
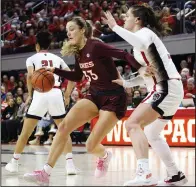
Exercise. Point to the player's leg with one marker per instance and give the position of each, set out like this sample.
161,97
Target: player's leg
169,105
104,125
34,113
158,104
160,146
83,111
70,167
57,111
28,127
143,115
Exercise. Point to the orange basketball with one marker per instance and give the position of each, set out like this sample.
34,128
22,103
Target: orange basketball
42,80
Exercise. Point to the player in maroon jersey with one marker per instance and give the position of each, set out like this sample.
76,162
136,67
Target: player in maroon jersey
93,59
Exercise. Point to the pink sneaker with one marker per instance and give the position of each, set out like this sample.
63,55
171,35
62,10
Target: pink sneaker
39,176
102,165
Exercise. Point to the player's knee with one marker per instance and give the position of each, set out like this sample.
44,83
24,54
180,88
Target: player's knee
131,126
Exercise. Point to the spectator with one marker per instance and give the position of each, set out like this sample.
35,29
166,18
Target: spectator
184,80
129,96
128,73
120,70
190,91
19,39
183,64
5,82
186,72
12,85
42,124
9,111
143,90
136,98
3,94
61,35
19,92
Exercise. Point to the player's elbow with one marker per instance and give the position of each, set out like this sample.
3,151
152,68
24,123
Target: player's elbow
29,76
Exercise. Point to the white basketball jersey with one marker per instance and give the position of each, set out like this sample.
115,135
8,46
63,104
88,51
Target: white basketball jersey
149,50
46,59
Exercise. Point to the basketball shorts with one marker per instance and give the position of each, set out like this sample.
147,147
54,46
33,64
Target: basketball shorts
51,102
110,102
167,97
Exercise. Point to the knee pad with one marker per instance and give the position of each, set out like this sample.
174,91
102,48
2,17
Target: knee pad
153,130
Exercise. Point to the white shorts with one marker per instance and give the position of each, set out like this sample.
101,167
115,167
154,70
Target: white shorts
167,97
51,102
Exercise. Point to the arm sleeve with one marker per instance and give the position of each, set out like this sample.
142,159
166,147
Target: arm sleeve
103,50
140,40
63,64
75,75
133,82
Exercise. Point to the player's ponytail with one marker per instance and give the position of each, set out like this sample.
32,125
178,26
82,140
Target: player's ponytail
68,49
151,19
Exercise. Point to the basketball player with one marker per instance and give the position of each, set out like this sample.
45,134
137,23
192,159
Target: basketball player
140,28
51,102
93,59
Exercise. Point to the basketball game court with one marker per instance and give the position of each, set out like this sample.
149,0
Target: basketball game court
121,169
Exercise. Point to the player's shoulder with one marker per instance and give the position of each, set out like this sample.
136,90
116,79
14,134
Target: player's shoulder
95,43
55,56
31,58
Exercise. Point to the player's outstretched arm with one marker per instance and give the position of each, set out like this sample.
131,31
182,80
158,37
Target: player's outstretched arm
136,81
75,75
128,36
101,49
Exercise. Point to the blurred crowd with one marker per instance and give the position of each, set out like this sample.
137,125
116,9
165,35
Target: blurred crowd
22,19
14,102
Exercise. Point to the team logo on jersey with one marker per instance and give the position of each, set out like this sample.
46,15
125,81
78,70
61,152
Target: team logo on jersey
156,97
88,55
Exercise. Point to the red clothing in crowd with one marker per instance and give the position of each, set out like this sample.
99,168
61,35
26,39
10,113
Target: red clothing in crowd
193,92
31,40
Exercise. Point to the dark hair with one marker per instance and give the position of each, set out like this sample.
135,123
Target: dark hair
151,19
44,39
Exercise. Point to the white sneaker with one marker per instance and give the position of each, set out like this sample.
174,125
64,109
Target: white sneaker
48,142
70,168
12,166
142,179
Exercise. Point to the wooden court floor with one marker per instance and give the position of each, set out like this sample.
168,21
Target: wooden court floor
121,169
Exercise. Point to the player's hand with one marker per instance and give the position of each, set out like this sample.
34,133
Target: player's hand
118,81
149,71
109,19
189,95
50,69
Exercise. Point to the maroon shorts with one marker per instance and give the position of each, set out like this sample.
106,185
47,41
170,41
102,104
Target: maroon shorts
114,103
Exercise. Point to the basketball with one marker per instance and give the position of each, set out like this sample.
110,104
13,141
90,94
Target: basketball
42,80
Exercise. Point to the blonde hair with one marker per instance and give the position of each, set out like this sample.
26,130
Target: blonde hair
69,49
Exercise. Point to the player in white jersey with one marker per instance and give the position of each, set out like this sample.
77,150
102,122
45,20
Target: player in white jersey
166,92
41,103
